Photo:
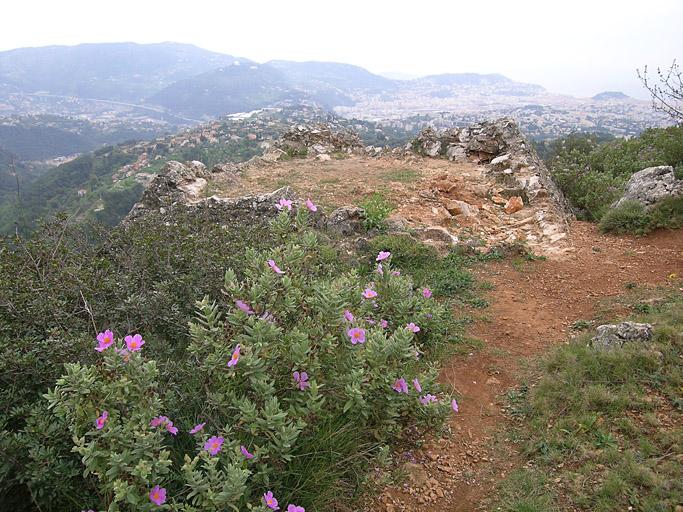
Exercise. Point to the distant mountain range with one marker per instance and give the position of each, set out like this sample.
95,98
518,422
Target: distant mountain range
189,81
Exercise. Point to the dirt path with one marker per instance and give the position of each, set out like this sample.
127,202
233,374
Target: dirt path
532,306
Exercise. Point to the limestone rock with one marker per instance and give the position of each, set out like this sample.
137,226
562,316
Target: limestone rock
651,185
416,474
323,157
456,207
514,204
611,336
346,220
456,153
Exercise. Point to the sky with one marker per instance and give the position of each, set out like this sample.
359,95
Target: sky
577,47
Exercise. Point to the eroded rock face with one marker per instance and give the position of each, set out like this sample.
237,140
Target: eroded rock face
613,336
651,185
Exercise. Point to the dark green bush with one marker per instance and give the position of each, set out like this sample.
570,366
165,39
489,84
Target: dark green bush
633,217
629,217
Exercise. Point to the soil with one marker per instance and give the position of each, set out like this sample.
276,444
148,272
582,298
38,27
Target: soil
532,307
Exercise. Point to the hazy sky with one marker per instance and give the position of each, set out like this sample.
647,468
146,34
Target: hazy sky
578,47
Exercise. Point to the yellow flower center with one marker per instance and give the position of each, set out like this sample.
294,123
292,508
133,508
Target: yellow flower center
107,339
133,344
235,355
156,495
269,501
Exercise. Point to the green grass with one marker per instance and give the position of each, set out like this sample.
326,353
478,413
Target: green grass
606,428
401,175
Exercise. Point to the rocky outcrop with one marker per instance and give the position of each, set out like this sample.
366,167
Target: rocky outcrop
651,185
501,144
319,139
611,336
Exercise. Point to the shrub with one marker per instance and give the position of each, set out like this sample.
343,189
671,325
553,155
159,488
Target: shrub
629,217
377,209
633,217
310,434
667,214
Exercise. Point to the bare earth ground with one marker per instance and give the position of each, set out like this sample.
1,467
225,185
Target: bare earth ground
532,303
422,190
532,307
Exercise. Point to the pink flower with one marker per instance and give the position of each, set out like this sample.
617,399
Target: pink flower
284,203
301,380
454,405
395,273
310,205
235,356
348,316
158,421
99,422
246,453
357,335
270,500
427,293
412,327
400,386
134,343
214,444
383,255
369,293
197,428
243,306
370,321
276,269
380,269
163,421
425,400
105,340
416,385
295,508
383,324
157,495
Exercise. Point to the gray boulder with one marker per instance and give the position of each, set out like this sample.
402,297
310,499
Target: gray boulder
347,220
651,185
611,336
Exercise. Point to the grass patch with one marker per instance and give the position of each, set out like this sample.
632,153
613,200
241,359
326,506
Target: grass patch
604,427
401,175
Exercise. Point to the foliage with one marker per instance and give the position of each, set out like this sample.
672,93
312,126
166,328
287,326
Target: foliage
377,209
611,418
628,217
633,217
310,445
592,173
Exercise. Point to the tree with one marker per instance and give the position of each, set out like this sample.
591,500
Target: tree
667,94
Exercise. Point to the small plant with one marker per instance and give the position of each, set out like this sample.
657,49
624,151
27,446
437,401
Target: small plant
377,209
581,325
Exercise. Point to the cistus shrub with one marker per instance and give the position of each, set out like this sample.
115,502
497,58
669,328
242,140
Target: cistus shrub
294,377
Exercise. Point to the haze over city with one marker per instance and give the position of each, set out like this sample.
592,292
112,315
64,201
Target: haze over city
579,48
